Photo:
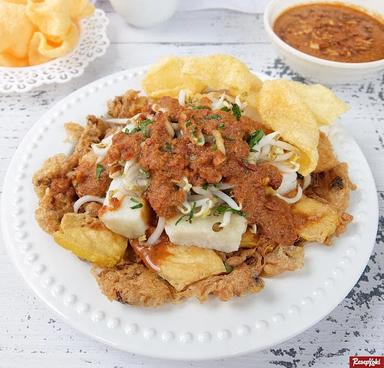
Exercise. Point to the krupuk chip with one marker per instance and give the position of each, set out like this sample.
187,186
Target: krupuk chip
34,32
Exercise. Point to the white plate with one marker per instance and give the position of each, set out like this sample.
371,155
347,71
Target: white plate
288,305
92,44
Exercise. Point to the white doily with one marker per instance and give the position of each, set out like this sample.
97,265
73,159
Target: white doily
93,43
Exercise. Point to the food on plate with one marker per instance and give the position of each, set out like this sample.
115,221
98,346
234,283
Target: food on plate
88,238
34,32
333,31
200,187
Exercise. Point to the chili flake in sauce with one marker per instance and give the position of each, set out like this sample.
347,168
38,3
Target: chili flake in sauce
332,31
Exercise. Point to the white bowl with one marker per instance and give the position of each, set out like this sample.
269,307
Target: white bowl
316,69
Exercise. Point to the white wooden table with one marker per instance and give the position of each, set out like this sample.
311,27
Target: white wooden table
32,336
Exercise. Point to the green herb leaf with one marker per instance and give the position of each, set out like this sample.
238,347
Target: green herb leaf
99,170
144,127
212,116
136,206
189,216
134,200
134,130
143,124
188,123
179,219
225,108
221,126
225,208
236,111
228,267
255,137
192,212
205,186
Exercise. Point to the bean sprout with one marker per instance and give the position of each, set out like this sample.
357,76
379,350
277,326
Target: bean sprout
86,199
154,238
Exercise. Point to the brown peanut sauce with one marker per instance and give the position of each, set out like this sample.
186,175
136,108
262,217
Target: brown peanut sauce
153,255
333,31
168,158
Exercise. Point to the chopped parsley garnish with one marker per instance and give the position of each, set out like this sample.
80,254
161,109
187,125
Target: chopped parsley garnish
167,147
236,111
191,213
134,130
221,126
228,267
137,205
179,219
205,186
225,108
212,116
225,208
201,107
143,125
255,137
188,216
188,123
99,170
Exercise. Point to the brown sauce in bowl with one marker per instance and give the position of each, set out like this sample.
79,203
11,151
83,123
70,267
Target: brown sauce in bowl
332,31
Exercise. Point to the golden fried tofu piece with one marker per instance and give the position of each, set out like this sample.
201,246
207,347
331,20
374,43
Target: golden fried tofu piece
90,240
249,240
180,265
186,265
315,221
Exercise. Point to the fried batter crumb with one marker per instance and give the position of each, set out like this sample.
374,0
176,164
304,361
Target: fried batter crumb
134,284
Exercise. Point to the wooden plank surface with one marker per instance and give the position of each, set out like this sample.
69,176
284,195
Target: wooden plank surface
32,336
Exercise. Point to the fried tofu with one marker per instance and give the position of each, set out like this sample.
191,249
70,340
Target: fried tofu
180,265
316,221
90,240
186,265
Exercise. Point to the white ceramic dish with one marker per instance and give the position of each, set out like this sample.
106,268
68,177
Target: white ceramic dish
316,69
92,44
288,305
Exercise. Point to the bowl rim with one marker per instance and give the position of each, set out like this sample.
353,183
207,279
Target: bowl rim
309,58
